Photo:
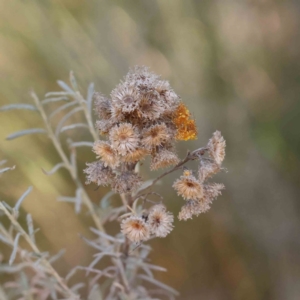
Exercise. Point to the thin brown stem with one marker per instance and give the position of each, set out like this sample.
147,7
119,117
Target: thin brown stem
190,156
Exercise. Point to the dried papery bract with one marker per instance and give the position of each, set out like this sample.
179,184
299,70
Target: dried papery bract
98,173
188,187
136,229
216,147
163,159
124,138
160,221
106,153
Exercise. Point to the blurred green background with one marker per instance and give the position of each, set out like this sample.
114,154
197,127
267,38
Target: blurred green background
237,66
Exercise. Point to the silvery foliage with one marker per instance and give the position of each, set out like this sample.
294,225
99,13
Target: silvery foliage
32,272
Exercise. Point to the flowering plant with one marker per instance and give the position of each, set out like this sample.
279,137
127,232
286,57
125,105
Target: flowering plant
143,118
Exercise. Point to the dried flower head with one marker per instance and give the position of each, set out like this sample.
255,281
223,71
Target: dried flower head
142,78
150,108
125,97
213,190
186,127
207,169
139,154
124,138
126,182
98,173
102,106
216,147
155,135
106,153
136,229
104,126
160,221
163,158
191,208
188,187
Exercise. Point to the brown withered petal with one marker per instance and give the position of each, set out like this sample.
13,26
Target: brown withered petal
160,221
154,136
188,187
126,182
106,153
136,229
98,173
124,138
162,159
216,147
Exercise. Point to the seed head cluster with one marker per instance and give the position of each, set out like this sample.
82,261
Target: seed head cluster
144,117
197,192
157,223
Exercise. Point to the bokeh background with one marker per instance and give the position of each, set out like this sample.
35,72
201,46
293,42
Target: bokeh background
237,66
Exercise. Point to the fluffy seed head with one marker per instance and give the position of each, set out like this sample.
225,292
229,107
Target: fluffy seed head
216,147
212,191
207,169
136,229
98,173
192,208
126,182
124,138
106,153
150,108
136,155
125,97
102,106
160,221
188,187
163,158
155,135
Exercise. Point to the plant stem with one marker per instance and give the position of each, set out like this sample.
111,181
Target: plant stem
48,266
190,156
67,163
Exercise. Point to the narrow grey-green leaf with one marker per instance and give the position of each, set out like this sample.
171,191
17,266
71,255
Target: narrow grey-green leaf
159,284
59,109
89,97
65,87
105,200
65,118
73,81
30,227
54,94
25,132
57,256
54,169
7,169
67,199
18,106
15,249
81,144
54,99
74,126
21,199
